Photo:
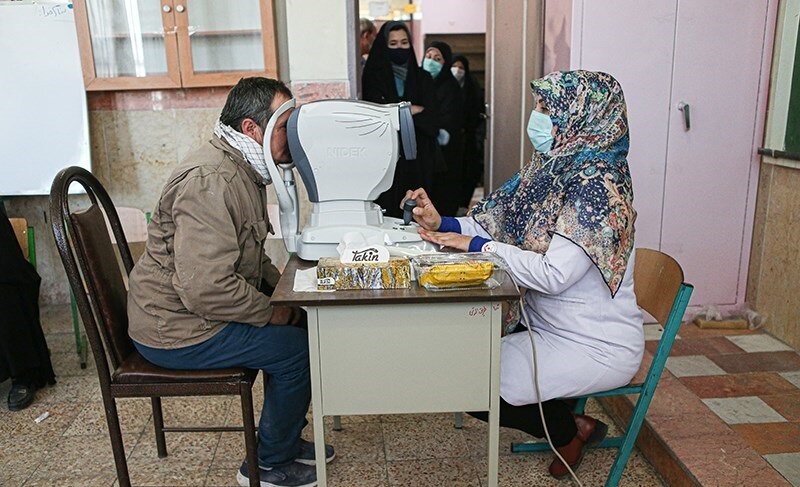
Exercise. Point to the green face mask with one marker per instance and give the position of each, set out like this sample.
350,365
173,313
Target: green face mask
432,66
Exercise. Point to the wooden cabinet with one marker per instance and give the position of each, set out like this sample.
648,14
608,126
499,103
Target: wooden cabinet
155,44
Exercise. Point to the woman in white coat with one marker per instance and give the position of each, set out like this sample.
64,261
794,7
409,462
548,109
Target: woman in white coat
564,225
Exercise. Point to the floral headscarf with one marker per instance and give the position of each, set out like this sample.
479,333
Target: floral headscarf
580,189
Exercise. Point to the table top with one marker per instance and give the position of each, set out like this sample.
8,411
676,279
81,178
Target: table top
284,294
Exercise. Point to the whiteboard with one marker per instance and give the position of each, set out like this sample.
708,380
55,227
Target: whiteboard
44,124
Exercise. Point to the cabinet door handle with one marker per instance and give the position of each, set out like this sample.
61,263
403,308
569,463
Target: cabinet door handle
687,115
180,8
167,9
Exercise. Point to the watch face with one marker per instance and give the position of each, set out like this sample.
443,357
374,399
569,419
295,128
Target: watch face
489,247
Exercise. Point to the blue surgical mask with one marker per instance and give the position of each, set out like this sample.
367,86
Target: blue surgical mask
431,66
540,131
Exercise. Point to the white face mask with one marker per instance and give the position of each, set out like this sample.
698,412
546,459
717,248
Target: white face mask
458,73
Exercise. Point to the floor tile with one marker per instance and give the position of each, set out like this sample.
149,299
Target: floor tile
67,364
788,464
759,343
134,414
679,348
187,448
712,345
693,365
356,442
357,474
787,405
733,385
433,473
69,389
653,332
195,411
221,477
162,473
230,451
60,416
737,410
85,457
771,437
793,377
423,440
758,362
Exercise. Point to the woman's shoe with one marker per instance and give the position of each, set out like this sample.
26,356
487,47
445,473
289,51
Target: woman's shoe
20,396
590,432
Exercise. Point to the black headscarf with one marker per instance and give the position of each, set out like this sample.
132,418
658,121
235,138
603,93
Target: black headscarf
447,53
378,85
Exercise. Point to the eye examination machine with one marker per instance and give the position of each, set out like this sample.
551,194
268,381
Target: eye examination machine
345,151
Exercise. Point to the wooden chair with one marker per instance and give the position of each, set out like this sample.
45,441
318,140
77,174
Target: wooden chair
134,225
26,238
96,280
660,290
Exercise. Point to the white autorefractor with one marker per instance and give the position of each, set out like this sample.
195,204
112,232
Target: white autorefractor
345,152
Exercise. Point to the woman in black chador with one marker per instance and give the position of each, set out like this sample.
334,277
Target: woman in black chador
23,351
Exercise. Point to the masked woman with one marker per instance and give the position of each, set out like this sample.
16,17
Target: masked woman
391,75
564,225
450,175
24,356
474,128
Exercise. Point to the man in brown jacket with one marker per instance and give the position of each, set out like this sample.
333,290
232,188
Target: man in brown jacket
199,295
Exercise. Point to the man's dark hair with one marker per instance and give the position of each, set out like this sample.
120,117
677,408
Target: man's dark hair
251,98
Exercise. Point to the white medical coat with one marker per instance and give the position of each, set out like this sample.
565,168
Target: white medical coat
586,341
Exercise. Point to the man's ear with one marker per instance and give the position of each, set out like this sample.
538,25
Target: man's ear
251,129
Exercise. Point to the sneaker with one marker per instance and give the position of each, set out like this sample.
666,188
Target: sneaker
292,475
307,456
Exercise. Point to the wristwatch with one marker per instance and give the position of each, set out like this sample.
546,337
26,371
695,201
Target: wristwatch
489,246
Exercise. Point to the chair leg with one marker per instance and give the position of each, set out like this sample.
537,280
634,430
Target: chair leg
158,423
629,440
117,446
337,423
250,436
458,420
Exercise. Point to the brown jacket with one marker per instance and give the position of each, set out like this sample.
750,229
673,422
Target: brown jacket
204,264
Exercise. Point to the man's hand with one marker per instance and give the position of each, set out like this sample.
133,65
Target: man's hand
285,315
425,213
415,109
450,239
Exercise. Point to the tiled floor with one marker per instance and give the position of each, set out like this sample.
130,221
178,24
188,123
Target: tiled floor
71,447
749,380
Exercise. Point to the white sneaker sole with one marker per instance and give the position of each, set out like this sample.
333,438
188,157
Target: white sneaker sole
245,482
313,463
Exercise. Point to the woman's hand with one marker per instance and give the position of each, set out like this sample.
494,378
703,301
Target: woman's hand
425,213
452,240
415,109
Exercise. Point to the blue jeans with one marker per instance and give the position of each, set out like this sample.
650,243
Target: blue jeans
281,352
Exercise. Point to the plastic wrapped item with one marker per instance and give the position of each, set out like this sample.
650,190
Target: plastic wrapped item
332,274
459,271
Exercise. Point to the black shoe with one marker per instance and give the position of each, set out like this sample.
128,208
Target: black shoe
20,396
292,475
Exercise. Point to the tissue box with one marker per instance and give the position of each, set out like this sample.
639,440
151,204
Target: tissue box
333,274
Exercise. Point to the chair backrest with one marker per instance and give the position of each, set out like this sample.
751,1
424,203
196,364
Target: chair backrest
656,279
660,290
20,226
94,274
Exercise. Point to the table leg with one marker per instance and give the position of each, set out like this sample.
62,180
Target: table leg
316,396
494,397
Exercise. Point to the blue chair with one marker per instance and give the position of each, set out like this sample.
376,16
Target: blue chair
660,290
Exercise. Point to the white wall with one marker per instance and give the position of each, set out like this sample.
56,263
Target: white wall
454,16
317,40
